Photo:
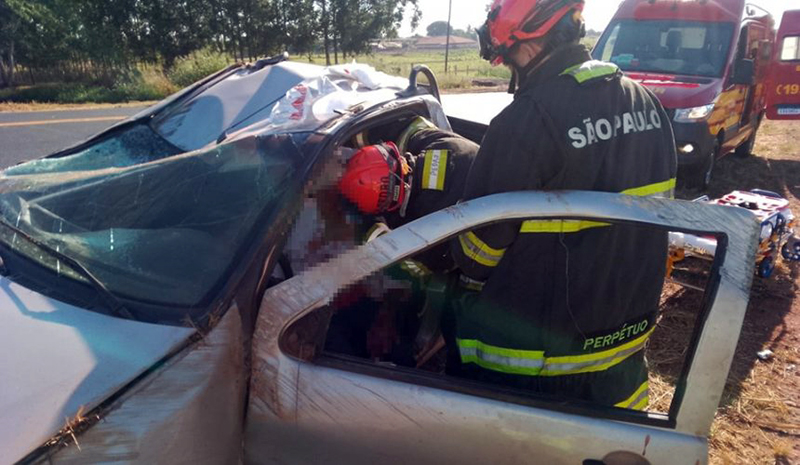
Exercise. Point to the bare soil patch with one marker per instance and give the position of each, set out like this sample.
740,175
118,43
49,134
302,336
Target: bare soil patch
758,420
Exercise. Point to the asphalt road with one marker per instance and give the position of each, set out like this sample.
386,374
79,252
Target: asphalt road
28,135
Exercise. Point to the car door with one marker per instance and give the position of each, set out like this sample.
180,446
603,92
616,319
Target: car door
307,406
783,93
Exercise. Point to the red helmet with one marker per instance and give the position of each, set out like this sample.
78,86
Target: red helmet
512,21
375,179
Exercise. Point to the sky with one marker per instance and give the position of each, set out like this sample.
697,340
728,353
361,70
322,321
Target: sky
597,13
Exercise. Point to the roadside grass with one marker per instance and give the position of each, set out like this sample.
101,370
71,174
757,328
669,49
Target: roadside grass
14,107
466,70
146,84
758,419
463,65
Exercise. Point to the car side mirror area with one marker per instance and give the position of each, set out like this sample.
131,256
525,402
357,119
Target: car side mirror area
744,72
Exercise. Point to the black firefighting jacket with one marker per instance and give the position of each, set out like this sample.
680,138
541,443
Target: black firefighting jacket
441,161
567,306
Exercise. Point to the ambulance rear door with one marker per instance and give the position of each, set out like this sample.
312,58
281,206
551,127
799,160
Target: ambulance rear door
783,97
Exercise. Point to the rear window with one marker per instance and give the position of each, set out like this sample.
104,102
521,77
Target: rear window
673,47
790,50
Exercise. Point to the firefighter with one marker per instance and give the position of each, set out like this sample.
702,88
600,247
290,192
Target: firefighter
425,172
565,306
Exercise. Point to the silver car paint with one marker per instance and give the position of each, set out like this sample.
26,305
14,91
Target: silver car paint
304,413
58,359
187,411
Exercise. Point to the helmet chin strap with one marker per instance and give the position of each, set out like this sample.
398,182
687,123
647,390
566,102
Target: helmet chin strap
512,84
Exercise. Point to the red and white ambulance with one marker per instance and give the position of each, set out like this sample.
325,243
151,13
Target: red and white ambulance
783,91
710,64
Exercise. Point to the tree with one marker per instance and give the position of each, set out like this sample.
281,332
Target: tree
437,28
348,26
18,22
468,34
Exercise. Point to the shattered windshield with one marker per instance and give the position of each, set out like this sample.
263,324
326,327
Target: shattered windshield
672,47
159,210
164,231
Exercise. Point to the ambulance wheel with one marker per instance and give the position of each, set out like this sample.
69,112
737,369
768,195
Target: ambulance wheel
791,252
700,177
766,267
746,148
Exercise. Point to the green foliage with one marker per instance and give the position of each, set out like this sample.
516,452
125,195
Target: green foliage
437,28
196,66
137,85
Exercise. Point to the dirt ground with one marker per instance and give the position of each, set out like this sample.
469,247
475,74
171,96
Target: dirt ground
758,421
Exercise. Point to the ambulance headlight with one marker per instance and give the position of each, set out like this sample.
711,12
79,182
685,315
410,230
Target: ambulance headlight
691,115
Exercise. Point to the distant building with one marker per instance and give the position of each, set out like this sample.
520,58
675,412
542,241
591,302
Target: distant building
440,42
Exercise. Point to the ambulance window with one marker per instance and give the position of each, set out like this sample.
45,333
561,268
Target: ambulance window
741,49
791,49
608,49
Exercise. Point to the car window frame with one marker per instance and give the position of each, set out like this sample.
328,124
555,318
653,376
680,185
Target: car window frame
691,412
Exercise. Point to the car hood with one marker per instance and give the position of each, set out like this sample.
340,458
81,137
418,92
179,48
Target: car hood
680,91
57,359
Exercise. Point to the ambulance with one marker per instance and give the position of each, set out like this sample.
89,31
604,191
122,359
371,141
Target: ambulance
715,67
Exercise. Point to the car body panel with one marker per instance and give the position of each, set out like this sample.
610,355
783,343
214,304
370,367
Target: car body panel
389,419
60,359
75,358
187,411
675,91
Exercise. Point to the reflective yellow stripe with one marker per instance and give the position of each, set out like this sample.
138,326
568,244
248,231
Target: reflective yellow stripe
642,404
558,226
377,230
590,70
470,284
434,170
519,362
638,400
417,125
534,363
665,187
477,250
597,361
414,268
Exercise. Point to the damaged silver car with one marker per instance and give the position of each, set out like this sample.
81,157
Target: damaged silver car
173,291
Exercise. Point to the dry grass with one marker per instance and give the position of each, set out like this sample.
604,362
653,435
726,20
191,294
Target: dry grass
24,107
758,420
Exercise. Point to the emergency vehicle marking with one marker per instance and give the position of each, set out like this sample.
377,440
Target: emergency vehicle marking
434,170
603,129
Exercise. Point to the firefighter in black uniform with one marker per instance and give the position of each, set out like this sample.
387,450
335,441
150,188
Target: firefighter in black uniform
425,172
565,306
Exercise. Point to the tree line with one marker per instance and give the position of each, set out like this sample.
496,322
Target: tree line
110,36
